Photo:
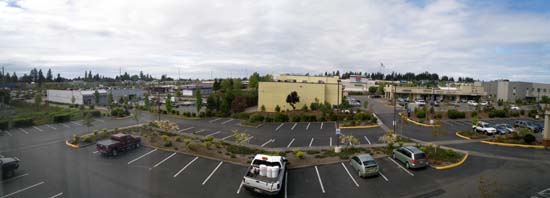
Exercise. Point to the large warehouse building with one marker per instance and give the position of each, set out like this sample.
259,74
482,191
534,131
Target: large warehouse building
88,96
309,88
511,91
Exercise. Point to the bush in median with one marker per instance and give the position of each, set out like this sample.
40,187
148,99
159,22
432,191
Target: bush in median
454,114
23,122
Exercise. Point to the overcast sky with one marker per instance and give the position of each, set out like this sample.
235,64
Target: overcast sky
199,38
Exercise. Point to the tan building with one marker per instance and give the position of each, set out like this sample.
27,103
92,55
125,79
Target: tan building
309,88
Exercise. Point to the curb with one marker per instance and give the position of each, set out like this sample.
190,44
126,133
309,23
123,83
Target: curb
123,118
71,145
360,127
418,123
461,136
513,145
452,165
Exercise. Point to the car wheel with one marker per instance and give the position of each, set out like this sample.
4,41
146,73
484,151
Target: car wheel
115,152
408,166
393,156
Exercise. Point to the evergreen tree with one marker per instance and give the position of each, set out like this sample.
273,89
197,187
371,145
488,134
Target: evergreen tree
49,77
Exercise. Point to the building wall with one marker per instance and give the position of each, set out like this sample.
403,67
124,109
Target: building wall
271,94
132,93
309,79
512,91
64,96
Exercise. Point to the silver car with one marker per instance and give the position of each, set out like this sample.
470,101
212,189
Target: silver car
364,165
411,156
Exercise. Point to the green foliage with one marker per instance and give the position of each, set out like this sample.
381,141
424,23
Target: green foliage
365,104
373,90
262,108
363,116
207,144
529,139
186,141
22,122
454,114
420,113
168,103
277,108
209,138
298,153
119,112
4,125
198,99
236,149
497,114
76,139
304,108
256,118
296,118
167,143
279,117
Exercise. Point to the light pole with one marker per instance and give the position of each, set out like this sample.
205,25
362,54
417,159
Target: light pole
394,107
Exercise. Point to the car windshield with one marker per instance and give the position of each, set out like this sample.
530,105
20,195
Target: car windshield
369,163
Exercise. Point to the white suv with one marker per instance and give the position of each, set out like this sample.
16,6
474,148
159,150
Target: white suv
485,128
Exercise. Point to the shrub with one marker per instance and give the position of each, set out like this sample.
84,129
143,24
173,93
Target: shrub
167,143
454,114
4,125
209,138
241,115
178,139
300,154
61,118
93,113
164,137
364,116
473,114
201,114
235,149
529,138
207,144
193,114
279,117
514,114
296,118
304,108
533,113
497,114
76,139
256,118
119,112
186,141
87,138
23,122
309,118
420,114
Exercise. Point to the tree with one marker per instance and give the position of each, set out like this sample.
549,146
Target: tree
263,108
348,139
73,100
146,101
178,93
38,98
292,99
168,103
110,99
277,108
254,80
96,97
49,76
238,104
373,90
198,100
137,115
87,119
41,77
240,137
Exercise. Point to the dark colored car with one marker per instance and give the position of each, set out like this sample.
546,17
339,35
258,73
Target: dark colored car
9,166
501,129
118,143
529,125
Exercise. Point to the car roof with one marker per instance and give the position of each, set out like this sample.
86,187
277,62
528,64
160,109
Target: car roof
413,149
365,157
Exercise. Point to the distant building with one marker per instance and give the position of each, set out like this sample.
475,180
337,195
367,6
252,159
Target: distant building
472,91
206,88
88,96
508,91
357,84
309,89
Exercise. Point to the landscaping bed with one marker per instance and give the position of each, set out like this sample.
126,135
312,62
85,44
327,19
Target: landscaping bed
441,157
523,136
472,135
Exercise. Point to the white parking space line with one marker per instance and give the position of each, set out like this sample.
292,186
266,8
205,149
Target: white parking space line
57,195
181,170
142,156
290,144
311,142
248,140
206,180
66,126
214,133
200,131
7,132
98,120
352,179
307,127
269,141
95,152
14,178
76,123
335,125
21,190
401,166
320,181
227,121
214,120
240,186
37,128
162,161
24,131
383,176
228,137
321,125
51,127
186,129
368,141
330,142
292,129
281,125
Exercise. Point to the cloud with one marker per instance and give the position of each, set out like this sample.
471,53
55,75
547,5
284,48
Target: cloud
201,38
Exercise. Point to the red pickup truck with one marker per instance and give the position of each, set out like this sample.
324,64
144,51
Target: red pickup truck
117,143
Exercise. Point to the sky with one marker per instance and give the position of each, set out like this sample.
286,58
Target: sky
487,40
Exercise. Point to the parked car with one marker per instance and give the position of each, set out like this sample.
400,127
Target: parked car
402,102
411,156
420,102
365,165
529,125
265,174
484,103
501,129
484,127
434,103
118,143
515,107
472,103
9,166
508,127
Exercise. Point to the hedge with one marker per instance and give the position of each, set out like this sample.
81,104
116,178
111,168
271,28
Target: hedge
497,114
23,122
4,125
61,118
454,114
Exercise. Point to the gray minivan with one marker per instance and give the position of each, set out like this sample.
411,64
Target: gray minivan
365,165
411,156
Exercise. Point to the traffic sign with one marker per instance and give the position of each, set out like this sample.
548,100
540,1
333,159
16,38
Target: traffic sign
337,131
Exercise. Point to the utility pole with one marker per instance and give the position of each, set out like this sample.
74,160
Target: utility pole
158,104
